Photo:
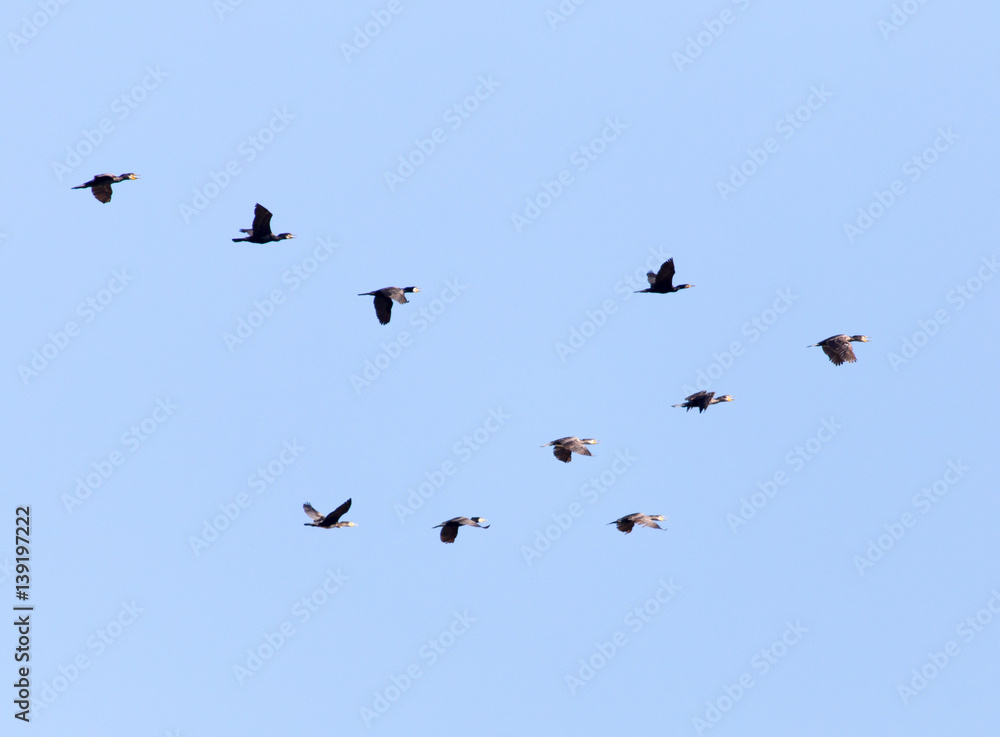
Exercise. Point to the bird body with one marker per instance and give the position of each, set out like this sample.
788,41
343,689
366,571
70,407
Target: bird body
838,348
565,447
626,523
330,520
260,232
702,400
449,529
662,282
100,185
384,298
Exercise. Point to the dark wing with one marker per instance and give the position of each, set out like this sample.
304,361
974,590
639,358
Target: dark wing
666,273
696,397
449,532
102,192
383,308
313,514
625,525
563,454
839,352
334,516
261,220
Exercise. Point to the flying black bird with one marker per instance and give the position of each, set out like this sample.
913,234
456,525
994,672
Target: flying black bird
838,348
449,529
100,185
702,400
261,230
383,300
331,520
626,523
565,447
662,282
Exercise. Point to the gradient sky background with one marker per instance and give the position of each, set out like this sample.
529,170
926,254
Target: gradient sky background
534,324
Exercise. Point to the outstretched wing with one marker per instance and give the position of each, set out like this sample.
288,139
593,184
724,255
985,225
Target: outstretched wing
625,525
383,308
666,273
563,454
448,533
839,352
334,516
313,514
102,192
261,220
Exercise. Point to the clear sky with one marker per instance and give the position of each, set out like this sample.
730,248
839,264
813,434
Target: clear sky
171,398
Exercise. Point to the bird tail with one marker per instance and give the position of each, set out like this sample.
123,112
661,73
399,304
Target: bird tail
238,240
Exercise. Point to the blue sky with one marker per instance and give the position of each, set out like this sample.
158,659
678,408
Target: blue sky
172,398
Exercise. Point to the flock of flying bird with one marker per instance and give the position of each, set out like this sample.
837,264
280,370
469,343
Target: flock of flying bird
837,348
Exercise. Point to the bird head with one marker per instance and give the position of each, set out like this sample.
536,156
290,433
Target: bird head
684,286
412,289
478,520
351,524
284,236
589,441
860,338
658,517
130,175
725,398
